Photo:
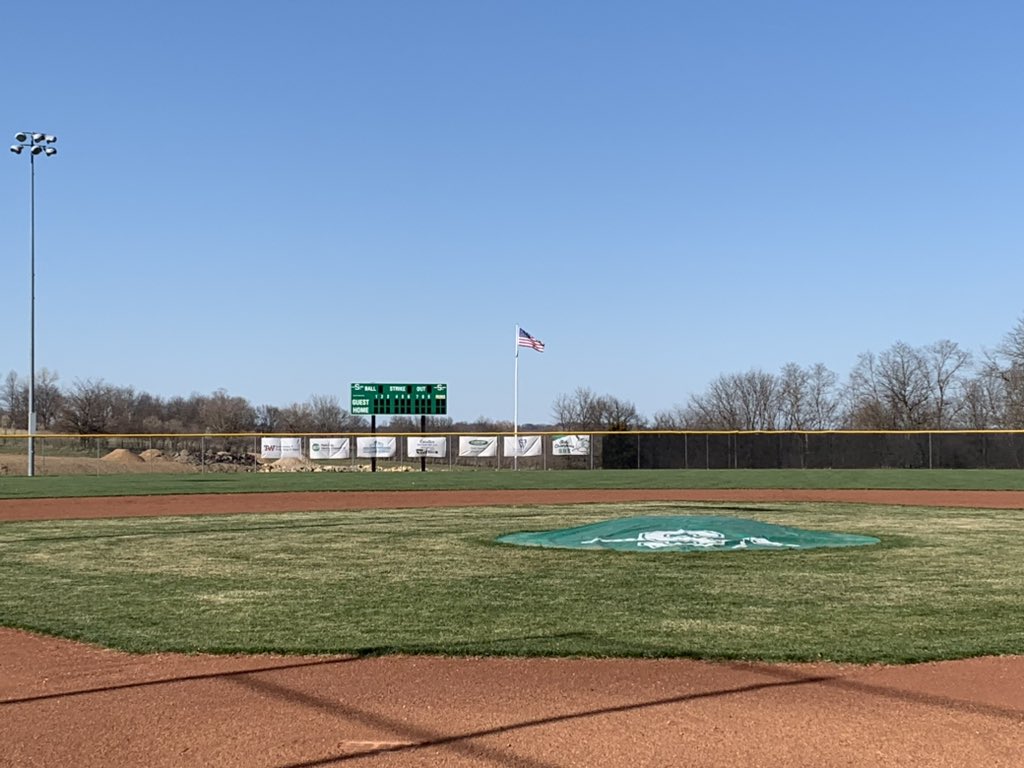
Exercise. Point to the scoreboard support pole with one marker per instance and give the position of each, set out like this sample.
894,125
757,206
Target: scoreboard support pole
373,431
423,428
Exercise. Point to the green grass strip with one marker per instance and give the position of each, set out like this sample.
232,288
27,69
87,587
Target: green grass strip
156,484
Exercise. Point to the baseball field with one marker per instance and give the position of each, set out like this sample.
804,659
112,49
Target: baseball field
305,620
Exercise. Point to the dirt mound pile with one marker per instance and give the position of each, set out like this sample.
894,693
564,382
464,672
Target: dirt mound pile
152,454
291,465
122,456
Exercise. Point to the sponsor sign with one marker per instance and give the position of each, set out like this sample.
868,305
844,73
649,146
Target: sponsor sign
291,447
426,446
477,445
571,445
376,447
329,448
270,447
528,445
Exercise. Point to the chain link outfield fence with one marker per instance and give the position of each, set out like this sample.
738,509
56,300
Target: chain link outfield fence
814,450
110,454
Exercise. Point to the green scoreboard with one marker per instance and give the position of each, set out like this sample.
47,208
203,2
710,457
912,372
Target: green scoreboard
400,399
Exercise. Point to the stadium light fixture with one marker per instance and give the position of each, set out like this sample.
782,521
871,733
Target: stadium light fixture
36,144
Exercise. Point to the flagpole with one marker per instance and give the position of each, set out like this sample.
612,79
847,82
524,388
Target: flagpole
515,410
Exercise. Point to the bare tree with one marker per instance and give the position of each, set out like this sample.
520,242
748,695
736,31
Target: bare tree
1004,369
296,417
47,398
327,415
185,411
716,407
268,418
748,401
947,366
676,418
891,391
982,402
14,399
808,397
578,410
222,413
616,414
584,410
89,407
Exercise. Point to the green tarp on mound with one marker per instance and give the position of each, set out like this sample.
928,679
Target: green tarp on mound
702,533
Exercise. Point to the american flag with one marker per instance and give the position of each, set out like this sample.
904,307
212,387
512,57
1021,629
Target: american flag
526,340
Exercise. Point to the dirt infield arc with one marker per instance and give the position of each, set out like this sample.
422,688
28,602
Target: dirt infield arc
65,704
250,503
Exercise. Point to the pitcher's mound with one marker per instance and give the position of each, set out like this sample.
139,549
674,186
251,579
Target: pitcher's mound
689,533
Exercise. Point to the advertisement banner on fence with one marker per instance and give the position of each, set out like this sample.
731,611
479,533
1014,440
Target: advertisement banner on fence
376,447
571,445
427,446
529,445
475,445
270,447
329,448
291,447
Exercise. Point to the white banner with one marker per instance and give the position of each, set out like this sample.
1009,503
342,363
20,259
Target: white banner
475,445
329,448
426,446
529,445
270,447
571,445
291,447
376,447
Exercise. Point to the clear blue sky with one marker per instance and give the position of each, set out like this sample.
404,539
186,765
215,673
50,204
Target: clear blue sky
280,199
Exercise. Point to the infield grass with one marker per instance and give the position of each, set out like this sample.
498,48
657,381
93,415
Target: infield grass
942,584
246,482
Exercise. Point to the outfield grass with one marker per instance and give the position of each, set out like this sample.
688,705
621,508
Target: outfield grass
942,584
144,485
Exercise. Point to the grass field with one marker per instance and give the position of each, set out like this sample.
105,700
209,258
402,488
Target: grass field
131,485
942,584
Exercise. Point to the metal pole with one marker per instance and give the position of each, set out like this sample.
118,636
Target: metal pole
515,408
32,328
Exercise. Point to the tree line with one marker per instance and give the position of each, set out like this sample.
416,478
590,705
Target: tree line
97,407
936,386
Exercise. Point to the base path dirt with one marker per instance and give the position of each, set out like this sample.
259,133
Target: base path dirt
249,503
67,704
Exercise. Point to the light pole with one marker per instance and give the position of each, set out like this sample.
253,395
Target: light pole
36,144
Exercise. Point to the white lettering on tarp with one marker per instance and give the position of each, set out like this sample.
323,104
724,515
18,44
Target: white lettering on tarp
686,538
